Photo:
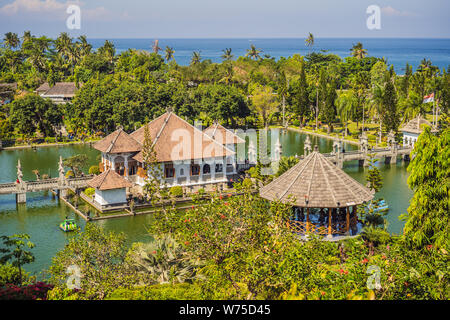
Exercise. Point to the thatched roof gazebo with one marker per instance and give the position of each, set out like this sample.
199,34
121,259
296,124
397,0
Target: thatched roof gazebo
316,182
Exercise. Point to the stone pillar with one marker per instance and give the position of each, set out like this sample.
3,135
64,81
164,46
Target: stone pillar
21,197
126,166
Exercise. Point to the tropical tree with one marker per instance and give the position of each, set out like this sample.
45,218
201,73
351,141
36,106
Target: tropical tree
76,163
227,55
285,164
358,51
264,102
389,111
11,40
309,40
161,261
427,220
155,46
346,106
253,53
14,249
196,58
169,53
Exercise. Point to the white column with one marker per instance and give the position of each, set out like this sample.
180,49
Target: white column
126,173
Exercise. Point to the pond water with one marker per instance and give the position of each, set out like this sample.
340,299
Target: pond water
42,213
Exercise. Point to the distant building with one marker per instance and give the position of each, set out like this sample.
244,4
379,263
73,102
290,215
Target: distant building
61,92
413,129
187,156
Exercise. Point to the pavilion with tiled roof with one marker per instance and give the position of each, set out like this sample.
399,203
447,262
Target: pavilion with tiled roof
315,182
110,188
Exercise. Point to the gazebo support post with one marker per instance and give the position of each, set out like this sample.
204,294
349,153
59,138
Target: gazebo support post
347,227
329,236
307,220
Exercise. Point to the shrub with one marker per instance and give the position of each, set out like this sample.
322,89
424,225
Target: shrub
89,192
201,191
94,170
179,291
247,183
296,122
34,291
10,275
176,191
50,139
69,174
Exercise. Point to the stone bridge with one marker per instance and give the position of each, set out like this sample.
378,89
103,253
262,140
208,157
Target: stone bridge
59,184
390,154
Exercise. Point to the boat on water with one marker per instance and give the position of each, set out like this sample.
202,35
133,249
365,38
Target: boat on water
379,206
68,225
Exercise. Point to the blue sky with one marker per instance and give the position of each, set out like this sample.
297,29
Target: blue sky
228,19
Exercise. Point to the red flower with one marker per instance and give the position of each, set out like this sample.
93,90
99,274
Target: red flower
195,234
365,260
322,293
154,252
226,203
383,257
346,272
222,216
429,247
186,243
229,195
220,197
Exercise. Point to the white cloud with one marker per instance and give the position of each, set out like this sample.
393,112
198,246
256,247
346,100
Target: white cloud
53,7
389,11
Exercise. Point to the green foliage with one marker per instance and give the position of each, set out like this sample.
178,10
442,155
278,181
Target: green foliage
176,191
89,192
427,221
10,274
94,170
161,261
100,258
285,164
373,178
13,249
31,113
178,291
76,163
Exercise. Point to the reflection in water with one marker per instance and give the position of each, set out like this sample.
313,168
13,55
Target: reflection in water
42,214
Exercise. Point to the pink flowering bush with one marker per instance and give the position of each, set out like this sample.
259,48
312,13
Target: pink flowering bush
36,291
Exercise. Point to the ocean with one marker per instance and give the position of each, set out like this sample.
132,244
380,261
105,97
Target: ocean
398,52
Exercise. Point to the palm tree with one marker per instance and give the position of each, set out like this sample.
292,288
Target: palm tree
11,40
227,55
26,38
155,47
285,164
346,104
310,40
84,48
358,51
376,101
108,50
63,44
196,57
169,53
253,53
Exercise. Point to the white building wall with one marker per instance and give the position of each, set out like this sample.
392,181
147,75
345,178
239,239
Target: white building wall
108,197
409,139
